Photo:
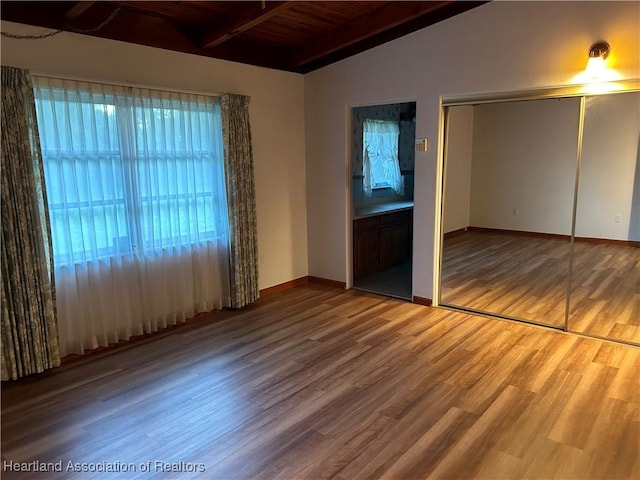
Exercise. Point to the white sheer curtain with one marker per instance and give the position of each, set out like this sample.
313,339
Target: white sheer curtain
381,167
137,200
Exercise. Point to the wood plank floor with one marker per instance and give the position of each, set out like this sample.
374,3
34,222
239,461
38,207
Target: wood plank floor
526,277
322,383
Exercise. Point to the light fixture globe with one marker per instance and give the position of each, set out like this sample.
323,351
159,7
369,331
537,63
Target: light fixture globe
597,54
599,50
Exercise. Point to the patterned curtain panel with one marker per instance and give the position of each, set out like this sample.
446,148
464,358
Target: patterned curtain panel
241,199
29,328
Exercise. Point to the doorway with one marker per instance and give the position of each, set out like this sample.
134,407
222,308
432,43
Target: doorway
382,168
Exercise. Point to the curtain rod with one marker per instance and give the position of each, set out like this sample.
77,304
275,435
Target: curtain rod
122,84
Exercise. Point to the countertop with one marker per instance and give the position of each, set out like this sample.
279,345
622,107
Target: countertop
380,208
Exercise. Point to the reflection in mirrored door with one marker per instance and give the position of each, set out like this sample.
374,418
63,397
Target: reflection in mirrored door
605,287
510,172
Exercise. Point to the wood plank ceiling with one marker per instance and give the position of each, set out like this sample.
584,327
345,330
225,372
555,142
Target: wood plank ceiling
297,36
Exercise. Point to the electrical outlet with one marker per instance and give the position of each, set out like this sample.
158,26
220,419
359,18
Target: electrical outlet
514,212
618,218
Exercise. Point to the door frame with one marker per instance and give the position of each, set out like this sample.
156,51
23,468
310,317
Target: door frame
349,210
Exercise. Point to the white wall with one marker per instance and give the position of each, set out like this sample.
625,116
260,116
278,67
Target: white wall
499,46
276,113
458,176
524,159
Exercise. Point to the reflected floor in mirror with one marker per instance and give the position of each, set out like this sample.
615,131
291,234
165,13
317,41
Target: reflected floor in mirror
525,277
605,293
508,274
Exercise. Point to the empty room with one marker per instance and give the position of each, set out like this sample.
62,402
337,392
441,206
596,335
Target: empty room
320,240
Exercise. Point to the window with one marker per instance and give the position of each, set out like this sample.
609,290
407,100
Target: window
129,171
380,156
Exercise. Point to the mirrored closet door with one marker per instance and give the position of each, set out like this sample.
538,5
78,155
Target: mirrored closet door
508,198
605,286
541,216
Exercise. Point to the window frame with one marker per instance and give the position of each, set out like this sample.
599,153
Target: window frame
381,186
133,200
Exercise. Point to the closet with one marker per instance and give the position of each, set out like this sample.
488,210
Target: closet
541,211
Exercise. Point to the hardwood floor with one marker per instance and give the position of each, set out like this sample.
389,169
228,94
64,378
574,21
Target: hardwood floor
322,383
526,277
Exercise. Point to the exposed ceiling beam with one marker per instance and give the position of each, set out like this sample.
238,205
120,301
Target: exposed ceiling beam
247,51
163,26
245,19
359,29
134,27
78,9
147,30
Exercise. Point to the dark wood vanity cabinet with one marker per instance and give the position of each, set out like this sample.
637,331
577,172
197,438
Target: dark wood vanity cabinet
381,241
366,250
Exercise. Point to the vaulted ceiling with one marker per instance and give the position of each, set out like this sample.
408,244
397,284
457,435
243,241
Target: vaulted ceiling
297,36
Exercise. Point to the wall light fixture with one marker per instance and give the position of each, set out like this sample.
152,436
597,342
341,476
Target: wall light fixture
597,55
